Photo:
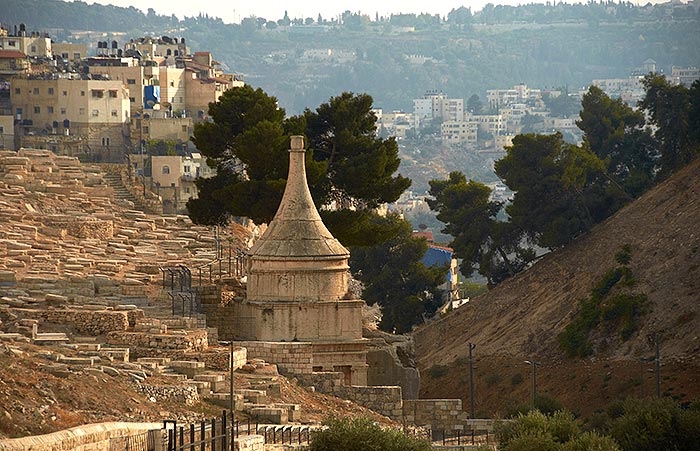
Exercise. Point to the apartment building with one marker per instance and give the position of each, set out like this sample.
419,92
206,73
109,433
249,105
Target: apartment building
521,93
684,75
459,132
33,44
436,105
95,109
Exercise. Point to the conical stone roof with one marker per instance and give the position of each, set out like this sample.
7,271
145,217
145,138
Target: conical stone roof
297,257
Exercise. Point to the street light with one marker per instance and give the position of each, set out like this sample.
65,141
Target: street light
471,382
232,401
534,380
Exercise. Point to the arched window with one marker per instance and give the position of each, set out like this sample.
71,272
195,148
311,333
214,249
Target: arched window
166,170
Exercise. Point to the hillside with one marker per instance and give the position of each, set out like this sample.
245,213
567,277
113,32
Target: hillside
521,318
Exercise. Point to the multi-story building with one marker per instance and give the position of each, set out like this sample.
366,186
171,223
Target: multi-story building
684,75
69,51
13,63
459,132
498,98
436,105
95,109
629,89
32,44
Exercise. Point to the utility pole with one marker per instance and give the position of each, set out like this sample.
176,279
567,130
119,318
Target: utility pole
534,381
658,367
233,397
471,382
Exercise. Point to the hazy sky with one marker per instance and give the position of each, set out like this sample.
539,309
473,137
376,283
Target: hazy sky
234,11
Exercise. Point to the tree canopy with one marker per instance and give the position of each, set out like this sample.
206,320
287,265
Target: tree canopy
397,280
480,239
561,189
348,167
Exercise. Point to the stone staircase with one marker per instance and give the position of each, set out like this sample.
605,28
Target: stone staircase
121,194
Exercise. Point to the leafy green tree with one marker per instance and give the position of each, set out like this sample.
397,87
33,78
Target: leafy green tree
474,104
658,425
395,278
479,238
556,432
562,105
362,434
616,134
347,165
669,107
549,204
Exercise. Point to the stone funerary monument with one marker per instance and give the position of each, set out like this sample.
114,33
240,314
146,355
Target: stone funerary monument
297,312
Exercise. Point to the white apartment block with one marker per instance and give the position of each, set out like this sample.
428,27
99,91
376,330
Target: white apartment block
459,132
684,75
436,105
498,98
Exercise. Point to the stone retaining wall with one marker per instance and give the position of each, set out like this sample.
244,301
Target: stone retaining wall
439,414
292,357
191,340
250,443
91,437
88,322
186,394
384,400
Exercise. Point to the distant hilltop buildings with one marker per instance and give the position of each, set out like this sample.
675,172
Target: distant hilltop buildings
491,126
139,98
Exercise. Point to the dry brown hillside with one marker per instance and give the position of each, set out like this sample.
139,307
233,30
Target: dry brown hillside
522,317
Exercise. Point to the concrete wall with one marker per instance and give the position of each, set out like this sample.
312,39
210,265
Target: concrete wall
91,437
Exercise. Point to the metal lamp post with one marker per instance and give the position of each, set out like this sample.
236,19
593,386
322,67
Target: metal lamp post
471,382
534,380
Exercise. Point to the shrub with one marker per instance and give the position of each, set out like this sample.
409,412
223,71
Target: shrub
438,371
516,379
361,434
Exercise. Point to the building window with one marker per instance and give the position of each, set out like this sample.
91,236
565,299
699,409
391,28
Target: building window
33,49
172,83
64,93
50,91
17,91
95,113
76,56
132,99
145,130
186,169
105,141
35,91
81,111
114,113
64,55
166,170
50,110
63,111
113,93
2,129
98,93
37,110
184,129
130,81
12,43
187,190
82,93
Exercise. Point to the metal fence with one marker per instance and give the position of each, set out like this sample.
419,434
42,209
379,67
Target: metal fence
218,434
147,441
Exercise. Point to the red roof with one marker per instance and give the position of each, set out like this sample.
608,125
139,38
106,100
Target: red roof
12,54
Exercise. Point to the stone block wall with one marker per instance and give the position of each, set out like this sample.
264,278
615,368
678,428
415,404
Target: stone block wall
88,322
439,414
293,357
192,340
90,437
384,400
250,443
